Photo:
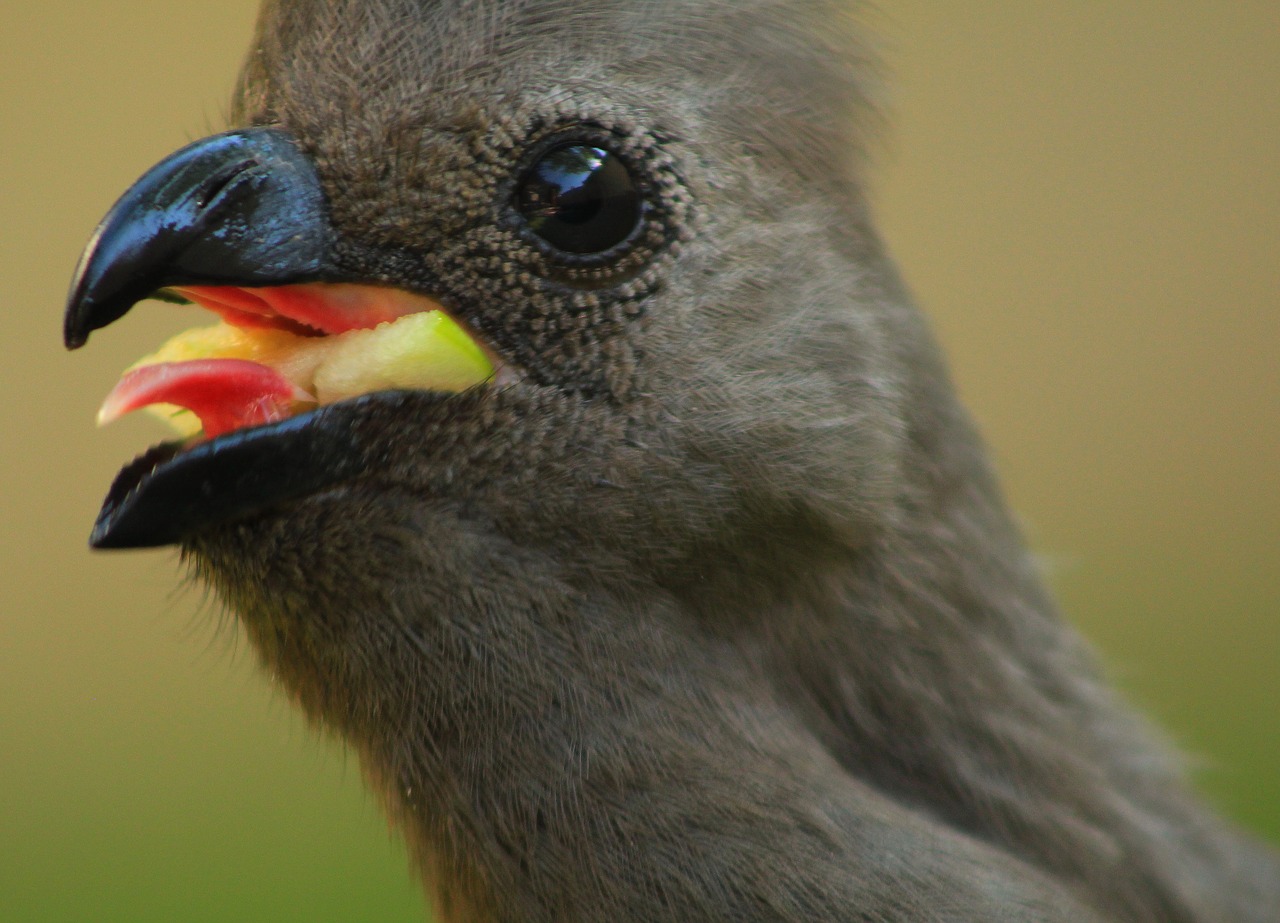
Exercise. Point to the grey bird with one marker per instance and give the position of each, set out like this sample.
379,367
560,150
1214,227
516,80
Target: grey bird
664,578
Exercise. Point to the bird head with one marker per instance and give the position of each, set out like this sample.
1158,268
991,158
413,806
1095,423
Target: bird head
694,378
647,217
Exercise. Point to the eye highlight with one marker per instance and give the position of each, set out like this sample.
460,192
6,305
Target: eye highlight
579,199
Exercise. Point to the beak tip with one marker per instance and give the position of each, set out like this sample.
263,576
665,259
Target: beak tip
93,300
110,534
73,333
105,537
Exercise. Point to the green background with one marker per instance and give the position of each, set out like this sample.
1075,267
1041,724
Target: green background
1086,198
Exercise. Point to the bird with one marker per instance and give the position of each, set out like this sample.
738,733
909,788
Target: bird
570,446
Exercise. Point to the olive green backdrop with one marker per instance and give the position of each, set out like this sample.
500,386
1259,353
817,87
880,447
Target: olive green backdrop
1085,196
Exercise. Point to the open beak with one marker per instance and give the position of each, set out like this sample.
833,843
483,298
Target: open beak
238,223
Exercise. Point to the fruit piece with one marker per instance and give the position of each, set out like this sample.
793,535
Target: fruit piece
231,377
226,394
321,307
424,351
294,357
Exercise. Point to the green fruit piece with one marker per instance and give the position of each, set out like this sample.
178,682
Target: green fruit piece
425,351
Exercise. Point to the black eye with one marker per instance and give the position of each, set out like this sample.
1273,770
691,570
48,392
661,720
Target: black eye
579,199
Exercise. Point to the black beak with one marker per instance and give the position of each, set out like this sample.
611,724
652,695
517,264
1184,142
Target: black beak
242,208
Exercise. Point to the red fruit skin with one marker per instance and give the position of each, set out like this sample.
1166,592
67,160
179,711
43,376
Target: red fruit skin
226,394
229,394
308,309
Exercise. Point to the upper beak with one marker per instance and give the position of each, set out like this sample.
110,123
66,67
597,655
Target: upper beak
239,208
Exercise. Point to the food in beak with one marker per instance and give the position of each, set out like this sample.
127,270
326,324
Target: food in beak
285,350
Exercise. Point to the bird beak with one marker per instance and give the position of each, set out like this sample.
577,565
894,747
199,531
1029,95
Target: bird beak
241,208
239,223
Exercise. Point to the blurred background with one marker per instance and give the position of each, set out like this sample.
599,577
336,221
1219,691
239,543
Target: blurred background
1084,196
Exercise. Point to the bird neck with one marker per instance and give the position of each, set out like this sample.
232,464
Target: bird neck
941,673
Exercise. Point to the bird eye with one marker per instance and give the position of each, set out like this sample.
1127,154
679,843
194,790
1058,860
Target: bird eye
579,199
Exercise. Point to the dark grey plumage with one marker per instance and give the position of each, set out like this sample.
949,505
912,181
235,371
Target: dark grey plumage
716,612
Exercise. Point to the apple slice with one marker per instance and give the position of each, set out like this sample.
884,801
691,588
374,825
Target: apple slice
226,377
426,351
